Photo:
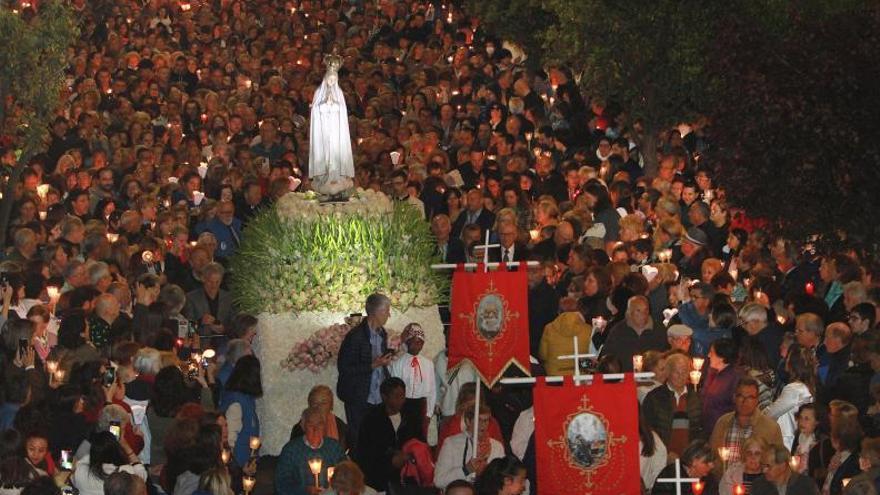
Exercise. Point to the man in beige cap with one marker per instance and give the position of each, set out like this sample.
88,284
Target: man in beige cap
680,337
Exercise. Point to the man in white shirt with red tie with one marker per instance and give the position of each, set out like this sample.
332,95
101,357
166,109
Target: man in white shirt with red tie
417,372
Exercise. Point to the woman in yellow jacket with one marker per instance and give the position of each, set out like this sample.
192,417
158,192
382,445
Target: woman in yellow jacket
558,340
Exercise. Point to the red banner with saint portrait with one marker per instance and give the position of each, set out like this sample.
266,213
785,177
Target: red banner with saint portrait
587,437
490,321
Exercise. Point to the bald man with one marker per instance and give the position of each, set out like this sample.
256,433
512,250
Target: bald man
636,334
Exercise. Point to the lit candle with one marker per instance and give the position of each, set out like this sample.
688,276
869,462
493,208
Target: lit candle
697,487
794,462
724,453
739,490
759,295
209,353
53,292
665,256
845,481
637,362
534,233
59,376
529,136
809,288
248,483
599,324
43,215
315,466
698,363
51,366
192,243
255,443
224,456
330,471
147,257
112,237
780,319
42,191
695,377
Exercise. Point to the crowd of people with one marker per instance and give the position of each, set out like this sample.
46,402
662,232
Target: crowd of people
127,369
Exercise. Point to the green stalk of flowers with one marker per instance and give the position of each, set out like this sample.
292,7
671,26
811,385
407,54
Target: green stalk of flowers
332,262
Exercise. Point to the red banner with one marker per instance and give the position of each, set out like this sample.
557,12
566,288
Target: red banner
490,321
587,437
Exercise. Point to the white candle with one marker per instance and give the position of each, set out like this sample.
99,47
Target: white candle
315,466
698,363
695,377
53,293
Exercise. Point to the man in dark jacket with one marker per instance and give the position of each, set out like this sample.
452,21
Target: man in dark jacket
474,214
382,433
543,306
664,410
362,363
778,473
635,334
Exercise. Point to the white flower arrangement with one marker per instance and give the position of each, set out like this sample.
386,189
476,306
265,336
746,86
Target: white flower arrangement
306,256
303,206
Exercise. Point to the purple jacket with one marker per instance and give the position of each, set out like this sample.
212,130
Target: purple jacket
717,394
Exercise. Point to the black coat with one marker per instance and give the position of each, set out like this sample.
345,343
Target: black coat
377,443
355,364
543,308
485,220
798,483
520,253
663,488
454,251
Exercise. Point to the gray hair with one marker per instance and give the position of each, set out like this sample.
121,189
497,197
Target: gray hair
104,302
812,323
69,224
856,290
147,361
779,455
24,236
753,312
109,414
213,268
173,297
375,302
97,271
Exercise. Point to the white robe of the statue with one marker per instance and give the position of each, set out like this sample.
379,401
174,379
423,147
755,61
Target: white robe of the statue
330,144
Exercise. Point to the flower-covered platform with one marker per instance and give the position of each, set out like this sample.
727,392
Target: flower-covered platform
304,267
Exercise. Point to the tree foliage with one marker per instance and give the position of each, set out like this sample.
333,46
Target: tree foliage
32,64
796,123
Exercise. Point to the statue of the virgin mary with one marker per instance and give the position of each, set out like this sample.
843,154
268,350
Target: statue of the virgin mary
331,166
